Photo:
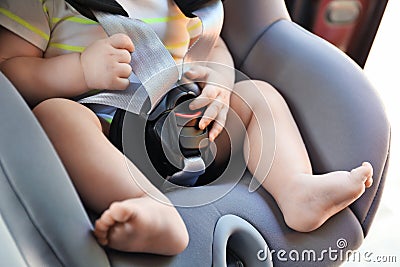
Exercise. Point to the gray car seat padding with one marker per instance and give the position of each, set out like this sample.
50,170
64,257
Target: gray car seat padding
39,206
9,252
260,210
234,235
243,25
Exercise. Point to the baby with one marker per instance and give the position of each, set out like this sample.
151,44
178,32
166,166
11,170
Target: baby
51,53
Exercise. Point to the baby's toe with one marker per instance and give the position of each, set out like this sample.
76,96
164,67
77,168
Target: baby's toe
362,173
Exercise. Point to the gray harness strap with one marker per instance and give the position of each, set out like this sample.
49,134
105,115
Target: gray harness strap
149,59
155,72
212,17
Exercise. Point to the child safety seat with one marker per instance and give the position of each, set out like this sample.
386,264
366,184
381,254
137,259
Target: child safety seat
43,222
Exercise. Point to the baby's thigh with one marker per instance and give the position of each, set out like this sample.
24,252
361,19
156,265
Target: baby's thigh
60,113
249,95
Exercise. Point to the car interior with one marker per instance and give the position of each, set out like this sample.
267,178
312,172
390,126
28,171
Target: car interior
341,119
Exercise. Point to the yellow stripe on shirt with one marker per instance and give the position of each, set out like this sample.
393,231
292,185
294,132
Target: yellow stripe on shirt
177,45
45,9
24,23
72,48
195,26
163,19
76,20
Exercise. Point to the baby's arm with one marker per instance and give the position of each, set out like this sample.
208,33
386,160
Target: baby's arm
220,79
221,55
35,77
103,65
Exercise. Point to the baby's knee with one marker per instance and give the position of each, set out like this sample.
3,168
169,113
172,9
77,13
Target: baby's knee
47,108
260,94
59,110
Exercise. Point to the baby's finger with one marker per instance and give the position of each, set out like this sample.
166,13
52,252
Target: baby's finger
122,56
197,73
219,124
120,84
211,113
215,131
200,102
122,41
124,70
208,95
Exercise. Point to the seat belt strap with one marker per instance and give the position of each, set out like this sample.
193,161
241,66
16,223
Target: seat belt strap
151,63
149,59
193,167
212,17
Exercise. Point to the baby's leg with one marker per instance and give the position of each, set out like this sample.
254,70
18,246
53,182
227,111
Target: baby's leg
306,200
131,220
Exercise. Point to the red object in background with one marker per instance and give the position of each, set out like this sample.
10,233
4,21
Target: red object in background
337,20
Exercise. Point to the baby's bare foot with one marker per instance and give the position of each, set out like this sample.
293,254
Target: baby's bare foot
142,225
307,201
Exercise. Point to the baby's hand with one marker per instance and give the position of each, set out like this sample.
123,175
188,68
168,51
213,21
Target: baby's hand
105,63
215,94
